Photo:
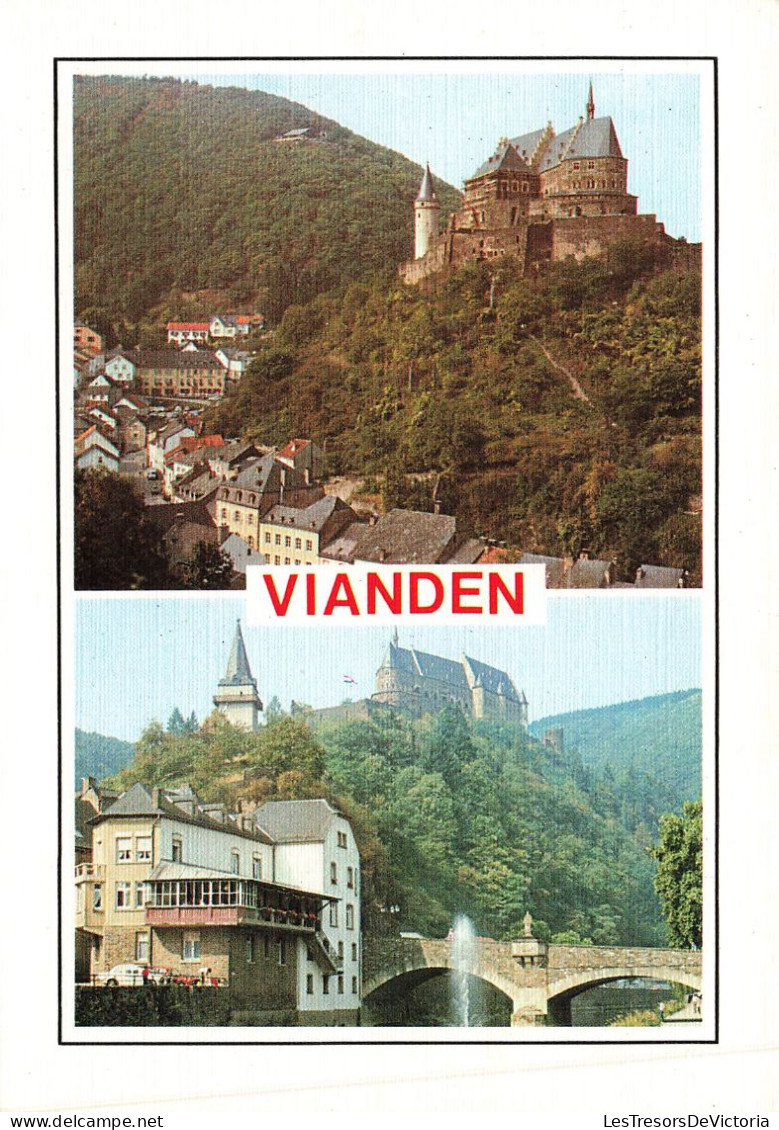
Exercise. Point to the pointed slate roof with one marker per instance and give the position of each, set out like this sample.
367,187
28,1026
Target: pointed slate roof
596,137
490,678
527,143
426,192
238,673
506,157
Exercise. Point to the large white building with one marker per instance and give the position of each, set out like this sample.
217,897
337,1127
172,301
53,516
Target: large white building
314,847
267,901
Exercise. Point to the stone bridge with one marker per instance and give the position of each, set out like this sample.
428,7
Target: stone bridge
539,979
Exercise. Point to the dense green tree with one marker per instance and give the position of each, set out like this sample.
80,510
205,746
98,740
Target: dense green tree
208,567
176,723
679,878
116,547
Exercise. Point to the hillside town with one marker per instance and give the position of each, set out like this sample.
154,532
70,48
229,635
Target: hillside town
139,415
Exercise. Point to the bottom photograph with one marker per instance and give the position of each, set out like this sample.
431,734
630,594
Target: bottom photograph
465,828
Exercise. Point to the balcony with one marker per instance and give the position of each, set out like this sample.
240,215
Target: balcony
325,956
90,871
287,921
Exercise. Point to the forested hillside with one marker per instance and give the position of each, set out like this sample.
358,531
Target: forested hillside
99,756
184,202
449,815
656,740
561,412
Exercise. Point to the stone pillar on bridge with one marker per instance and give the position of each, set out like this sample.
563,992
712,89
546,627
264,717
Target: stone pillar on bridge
529,1004
531,955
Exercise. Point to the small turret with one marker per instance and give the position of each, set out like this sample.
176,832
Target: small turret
426,209
590,105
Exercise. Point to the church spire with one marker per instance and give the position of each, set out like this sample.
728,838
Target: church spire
238,669
590,105
237,695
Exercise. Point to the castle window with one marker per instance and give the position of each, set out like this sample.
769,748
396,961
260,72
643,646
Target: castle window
590,164
576,165
123,896
277,541
123,849
267,559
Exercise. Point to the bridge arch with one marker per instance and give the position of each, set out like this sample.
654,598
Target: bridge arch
410,978
579,981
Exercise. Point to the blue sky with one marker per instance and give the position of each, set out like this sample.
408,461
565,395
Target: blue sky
136,658
455,120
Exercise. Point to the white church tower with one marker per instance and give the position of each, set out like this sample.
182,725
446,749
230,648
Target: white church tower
237,695
425,215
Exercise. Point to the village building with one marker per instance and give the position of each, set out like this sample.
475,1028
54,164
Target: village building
181,332
268,901
416,537
260,484
176,374
87,340
298,535
93,450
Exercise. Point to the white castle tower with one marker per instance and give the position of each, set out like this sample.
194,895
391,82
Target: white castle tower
425,215
237,695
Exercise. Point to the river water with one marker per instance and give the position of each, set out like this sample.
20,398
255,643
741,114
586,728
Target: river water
439,1004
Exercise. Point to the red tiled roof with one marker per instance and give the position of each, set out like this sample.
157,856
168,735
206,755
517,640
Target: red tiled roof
188,326
188,444
293,447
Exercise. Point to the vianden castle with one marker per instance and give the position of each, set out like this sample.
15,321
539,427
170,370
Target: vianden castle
542,196
416,683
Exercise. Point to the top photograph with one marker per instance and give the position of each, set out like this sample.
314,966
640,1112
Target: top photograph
331,318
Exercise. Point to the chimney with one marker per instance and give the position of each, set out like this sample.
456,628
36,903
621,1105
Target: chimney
155,797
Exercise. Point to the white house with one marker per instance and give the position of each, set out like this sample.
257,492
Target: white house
315,848
119,367
93,449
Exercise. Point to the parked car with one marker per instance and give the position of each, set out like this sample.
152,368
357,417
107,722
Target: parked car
132,974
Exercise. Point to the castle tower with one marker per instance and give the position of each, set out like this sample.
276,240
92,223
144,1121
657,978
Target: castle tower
426,209
237,695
